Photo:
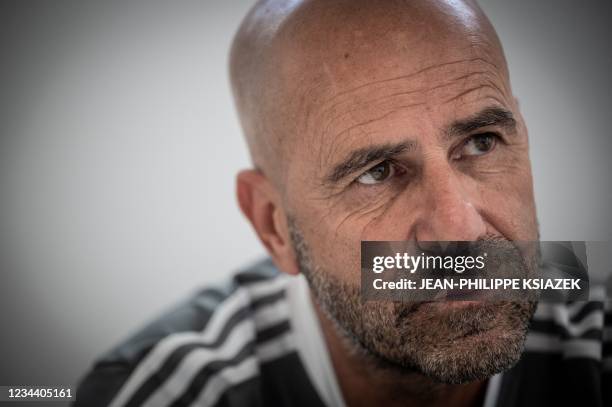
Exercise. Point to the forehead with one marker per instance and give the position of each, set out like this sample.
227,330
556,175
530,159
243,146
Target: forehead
386,97
332,43
357,75
418,101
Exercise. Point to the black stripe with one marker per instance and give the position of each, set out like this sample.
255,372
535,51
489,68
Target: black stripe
213,294
282,381
546,326
264,270
251,277
202,377
156,379
268,299
209,370
550,327
548,379
560,254
588,308
246,393
593,333
273,331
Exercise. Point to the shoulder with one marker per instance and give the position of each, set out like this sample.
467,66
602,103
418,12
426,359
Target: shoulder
227,328
567,358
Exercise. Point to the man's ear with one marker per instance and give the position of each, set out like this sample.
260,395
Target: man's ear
261,204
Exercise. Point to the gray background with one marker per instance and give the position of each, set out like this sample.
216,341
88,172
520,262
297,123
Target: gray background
119,146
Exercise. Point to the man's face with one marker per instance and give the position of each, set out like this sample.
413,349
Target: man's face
413,141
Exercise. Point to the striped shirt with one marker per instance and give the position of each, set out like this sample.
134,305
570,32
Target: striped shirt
256,341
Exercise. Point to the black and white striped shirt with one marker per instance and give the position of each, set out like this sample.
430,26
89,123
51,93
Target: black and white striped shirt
257,342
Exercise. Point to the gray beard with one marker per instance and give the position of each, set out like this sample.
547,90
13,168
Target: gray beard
450,345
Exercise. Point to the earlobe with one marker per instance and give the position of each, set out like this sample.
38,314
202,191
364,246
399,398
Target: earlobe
261,204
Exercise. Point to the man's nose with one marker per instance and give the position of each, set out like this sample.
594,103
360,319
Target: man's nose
448,212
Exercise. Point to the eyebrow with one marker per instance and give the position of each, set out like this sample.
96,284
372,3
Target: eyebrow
491,116
361,158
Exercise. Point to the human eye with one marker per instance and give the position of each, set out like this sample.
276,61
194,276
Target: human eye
478,144
378,173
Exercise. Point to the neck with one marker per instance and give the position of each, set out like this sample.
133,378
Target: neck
364,382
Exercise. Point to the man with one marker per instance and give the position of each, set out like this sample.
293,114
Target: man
366,120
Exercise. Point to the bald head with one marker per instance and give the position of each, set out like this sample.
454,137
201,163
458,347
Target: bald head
294,63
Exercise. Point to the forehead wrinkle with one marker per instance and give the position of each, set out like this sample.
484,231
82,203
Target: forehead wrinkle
338,104
481,51
332,101
359,126
390,99
491,82
336,143
480,88
336,140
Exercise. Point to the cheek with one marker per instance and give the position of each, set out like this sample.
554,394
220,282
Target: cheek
508,205
334,237
502,191
379,212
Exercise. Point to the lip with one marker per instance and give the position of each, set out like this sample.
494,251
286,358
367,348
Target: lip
464,295
448,304
460,295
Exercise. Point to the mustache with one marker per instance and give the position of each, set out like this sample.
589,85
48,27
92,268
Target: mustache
460,248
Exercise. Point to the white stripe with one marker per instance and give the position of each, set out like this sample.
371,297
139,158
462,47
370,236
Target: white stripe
276,348
561,315
597,292
573,348
582,348
156,357
261,289
537,342
594,320
310,342
492,393
227,378
166,346
546,311
575,308
233,375
191,364
270,314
